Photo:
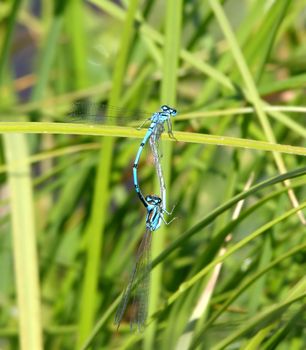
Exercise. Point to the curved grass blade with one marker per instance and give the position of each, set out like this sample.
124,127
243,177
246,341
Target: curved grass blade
192,231
253,95
265,317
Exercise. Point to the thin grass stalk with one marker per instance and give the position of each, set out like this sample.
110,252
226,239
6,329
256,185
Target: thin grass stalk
280,334
95,228
168,93
270,314
7,41
188,284
203,302
258,339
185,55
244,286
155,36
64,151
184,237
253,95
244,32
48,52
76,26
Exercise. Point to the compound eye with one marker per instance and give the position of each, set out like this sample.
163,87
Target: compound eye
148,198
173,111
165,108
157,200
153,199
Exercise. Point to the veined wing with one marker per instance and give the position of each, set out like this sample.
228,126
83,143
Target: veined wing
100,113
155,148
155,140
137,289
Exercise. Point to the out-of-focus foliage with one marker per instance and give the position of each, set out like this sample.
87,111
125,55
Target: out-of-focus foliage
229,272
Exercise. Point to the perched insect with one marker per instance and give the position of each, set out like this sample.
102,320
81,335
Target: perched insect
153,133
138,286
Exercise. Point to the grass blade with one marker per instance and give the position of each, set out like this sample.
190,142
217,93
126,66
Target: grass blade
24,242
171,48
253,94
95,228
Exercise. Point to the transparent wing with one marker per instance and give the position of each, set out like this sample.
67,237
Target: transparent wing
99,113
157,161
138,286
141,295
155,139
155,145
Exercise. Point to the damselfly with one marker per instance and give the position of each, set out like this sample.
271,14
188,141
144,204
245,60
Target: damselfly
87,112
92,112
153,133
138,286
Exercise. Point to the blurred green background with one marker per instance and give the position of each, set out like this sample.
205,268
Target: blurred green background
229,272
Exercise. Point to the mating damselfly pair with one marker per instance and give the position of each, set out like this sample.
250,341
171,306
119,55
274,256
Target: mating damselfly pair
138,286
137,290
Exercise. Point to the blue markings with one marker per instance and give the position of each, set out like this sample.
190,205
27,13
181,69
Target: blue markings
154,131
137,289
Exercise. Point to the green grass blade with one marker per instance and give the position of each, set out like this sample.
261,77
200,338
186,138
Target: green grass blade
47,54
155,36
258,52
95,228
188,284
8,38
180,241
258,339
290,83
171,48
88,218
278,338
116,131
270,315
253,93
75,25
24,242
245,285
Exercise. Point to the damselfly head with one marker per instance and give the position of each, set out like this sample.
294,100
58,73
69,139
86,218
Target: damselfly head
152,199
169,110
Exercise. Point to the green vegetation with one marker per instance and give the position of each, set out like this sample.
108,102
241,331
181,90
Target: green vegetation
229,272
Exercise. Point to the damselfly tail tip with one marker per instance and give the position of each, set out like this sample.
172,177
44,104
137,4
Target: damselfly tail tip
137,326
117,325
